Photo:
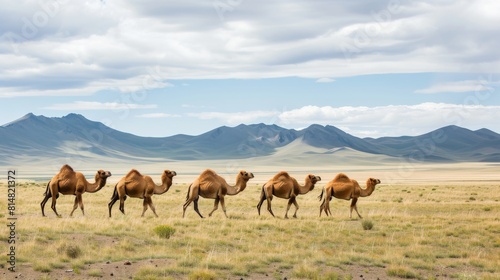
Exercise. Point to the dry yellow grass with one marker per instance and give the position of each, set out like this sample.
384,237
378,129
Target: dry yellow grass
419,231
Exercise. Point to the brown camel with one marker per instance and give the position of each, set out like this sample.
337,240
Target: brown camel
210,185
342,187
282,185
67,181
134,184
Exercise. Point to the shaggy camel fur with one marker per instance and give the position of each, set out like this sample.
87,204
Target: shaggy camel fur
134,184
342,187
284,186
67,181
210,185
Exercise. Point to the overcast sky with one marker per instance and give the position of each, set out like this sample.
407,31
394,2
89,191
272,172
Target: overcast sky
159,68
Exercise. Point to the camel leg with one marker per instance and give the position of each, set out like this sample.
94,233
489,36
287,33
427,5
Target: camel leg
185,206
322,207
296,207
269,198
327,208
80,202
122,204
216,206
355,207
151,205
53,206
290,201
196,207
262,198
111,203
328,199
223,204
44,201
75,205
144,206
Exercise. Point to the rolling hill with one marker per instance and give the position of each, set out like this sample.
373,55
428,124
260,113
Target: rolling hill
73,135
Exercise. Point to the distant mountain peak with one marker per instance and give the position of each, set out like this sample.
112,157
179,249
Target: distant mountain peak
40,136
23,118
73,116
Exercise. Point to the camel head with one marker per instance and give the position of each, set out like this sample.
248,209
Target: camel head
372,182
102,175
169,173
313,179
245,175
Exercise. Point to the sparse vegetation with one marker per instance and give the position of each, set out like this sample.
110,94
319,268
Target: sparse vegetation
411,241
367,224
73,251
164,231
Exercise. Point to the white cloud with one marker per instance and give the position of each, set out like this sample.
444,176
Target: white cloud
459,86
393,120
158,115
325,80
90,105
94,46
238,117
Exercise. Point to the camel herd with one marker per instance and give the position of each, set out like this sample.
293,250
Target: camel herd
208,185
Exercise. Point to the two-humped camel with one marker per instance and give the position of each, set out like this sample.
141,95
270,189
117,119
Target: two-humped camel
342,187
134,184
67,181
210,185
282,185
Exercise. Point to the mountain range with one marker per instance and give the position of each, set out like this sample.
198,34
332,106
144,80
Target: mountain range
73,135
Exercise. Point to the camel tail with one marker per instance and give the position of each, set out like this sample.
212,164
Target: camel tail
263,193
115,192
189,190
47,189
320,196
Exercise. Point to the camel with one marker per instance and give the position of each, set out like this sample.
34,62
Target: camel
282,185
67,181
342,187
210,185
134,184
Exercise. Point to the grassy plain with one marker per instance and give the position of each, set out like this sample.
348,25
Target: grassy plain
421,230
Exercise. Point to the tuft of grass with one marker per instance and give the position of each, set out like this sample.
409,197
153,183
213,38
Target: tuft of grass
95,273
401,272
306,272
367,224
202,275
73,251
398,200
42,267
164,231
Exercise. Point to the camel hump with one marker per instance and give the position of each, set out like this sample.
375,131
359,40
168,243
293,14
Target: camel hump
282,175
66,168
208,172
133,173
341,177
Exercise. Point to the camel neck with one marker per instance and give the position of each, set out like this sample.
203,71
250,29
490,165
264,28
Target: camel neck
368,190
98,185
238,187
307,187
164,187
